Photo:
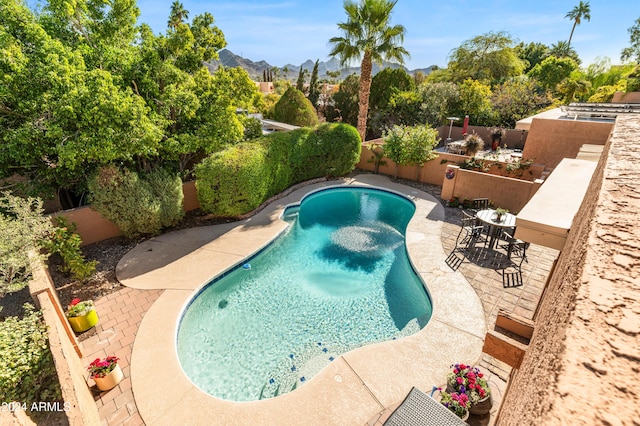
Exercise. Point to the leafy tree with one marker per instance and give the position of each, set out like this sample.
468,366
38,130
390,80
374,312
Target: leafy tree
532,54
516,99
345,102
285,72
314,86
410,145
384,84
475,102
294,108
552,71
488,58
632,52
404,108
269,102
579,12
368,35
51,97
178,15
438,101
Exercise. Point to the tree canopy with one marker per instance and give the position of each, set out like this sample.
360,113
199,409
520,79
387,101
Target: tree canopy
489,58
84,86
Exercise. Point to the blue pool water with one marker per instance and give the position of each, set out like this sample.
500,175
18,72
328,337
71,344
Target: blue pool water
337,279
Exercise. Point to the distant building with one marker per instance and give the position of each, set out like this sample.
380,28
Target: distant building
265,87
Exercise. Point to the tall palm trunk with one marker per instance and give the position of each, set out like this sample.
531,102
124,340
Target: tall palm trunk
571,35
365,88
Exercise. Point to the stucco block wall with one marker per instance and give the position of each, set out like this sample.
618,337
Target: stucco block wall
584,356
93,227
549,141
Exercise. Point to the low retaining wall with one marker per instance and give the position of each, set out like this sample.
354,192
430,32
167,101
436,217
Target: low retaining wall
65,349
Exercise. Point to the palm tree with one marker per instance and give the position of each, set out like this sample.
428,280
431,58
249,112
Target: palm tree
582,10
178,15
367,35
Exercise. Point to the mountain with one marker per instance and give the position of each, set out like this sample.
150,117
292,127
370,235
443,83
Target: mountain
229,59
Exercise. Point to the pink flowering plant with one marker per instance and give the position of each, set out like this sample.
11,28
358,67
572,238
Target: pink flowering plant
456,402
470,381
101,367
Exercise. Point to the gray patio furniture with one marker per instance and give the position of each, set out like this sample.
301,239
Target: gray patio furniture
419,409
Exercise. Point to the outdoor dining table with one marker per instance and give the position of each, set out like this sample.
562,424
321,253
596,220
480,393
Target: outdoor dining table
488,217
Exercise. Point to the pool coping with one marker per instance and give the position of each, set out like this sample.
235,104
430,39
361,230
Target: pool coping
351,389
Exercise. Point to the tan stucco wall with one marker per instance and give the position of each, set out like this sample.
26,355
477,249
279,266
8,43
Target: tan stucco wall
551,140
584,357
93,227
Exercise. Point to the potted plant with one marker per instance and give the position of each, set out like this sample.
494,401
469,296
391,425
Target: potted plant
470,381
81,315
473,142
456,402
500,212
106,372
497,133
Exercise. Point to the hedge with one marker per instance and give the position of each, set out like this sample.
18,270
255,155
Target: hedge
137,204
237,180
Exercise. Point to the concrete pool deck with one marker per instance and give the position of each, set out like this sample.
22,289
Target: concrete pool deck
350,389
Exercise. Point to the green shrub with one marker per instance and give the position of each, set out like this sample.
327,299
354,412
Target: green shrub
22,229
279,147
167,189
239,179
294,108
136,205
232,182
27,371
66,243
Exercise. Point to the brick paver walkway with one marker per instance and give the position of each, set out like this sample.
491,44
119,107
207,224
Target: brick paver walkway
120,316
122,312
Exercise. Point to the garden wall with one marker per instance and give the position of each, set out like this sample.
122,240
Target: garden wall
584,350
508,193
505,192
514,138
93,227
551,140
65,350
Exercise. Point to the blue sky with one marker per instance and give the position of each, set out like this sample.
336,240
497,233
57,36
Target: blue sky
282,32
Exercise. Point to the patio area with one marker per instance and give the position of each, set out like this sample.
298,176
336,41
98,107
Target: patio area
123,312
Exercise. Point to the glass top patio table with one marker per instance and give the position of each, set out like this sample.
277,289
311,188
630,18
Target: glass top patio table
488,217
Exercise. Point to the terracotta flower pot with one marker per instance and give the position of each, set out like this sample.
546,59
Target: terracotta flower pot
84,322
111,380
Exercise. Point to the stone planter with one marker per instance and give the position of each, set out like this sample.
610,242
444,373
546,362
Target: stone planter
84,322
111,380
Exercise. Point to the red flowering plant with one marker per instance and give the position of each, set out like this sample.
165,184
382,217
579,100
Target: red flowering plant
102,367
79,308
456,402
469,380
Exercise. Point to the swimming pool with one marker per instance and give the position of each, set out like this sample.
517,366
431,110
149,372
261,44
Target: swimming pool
338,279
